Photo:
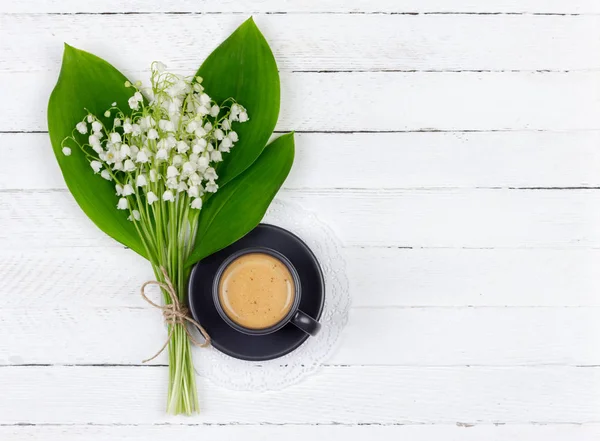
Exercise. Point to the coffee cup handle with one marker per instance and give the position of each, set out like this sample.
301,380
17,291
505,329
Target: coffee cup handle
306,323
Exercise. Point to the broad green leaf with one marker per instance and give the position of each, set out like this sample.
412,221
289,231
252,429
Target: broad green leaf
243,68
237,208
88,82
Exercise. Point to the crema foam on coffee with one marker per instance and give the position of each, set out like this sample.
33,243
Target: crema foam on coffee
256,291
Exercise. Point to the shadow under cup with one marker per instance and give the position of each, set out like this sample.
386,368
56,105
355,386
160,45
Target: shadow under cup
301,320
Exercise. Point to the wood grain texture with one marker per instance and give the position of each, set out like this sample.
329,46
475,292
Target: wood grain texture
468,210
109,277
381,160
313,6
452,432
337,395
399,218
313,42
390,337
405,101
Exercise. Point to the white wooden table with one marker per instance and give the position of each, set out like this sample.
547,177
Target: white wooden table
453,145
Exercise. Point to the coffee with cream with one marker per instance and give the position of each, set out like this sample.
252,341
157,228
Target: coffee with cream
256,291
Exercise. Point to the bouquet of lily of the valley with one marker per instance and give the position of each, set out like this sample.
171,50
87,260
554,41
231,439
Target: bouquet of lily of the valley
176,170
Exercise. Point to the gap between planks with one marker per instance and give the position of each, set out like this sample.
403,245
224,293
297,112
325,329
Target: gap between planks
409,13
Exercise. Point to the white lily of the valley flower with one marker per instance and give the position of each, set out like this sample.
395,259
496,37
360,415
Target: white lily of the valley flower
96,166
153,175
187,168
133,103
214,110
82,127
172,172
202,163
123,204
243,117
135,100
219,134
182,186
195,179
233,136
106,175
128,190
196,204
168,196
94,140
141,181
146,122
193,191
152,134
210,174
162,144
216,156
136,215
200,131
125,150
115,138
191,127
234,112
128,166
66,151
142,156
171,142
182,147
162,154
119,189
204,99
225,145
117,122
211,187
96,126
151,197
172,183
166,125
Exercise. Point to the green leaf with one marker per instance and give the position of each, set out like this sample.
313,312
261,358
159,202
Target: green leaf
243,68
237,208
88,82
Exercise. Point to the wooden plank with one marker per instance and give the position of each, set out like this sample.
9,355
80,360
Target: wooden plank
313,42
316,6
346,395
451,432
379,277
406,336
399,218
381,160
404,101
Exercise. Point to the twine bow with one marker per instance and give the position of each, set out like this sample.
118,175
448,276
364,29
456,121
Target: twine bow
174,313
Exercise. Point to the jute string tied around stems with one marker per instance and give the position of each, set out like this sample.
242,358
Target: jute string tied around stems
174,313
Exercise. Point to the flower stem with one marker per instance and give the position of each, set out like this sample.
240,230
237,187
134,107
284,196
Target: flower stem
182,395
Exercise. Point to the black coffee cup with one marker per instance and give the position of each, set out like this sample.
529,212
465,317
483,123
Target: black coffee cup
294,316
